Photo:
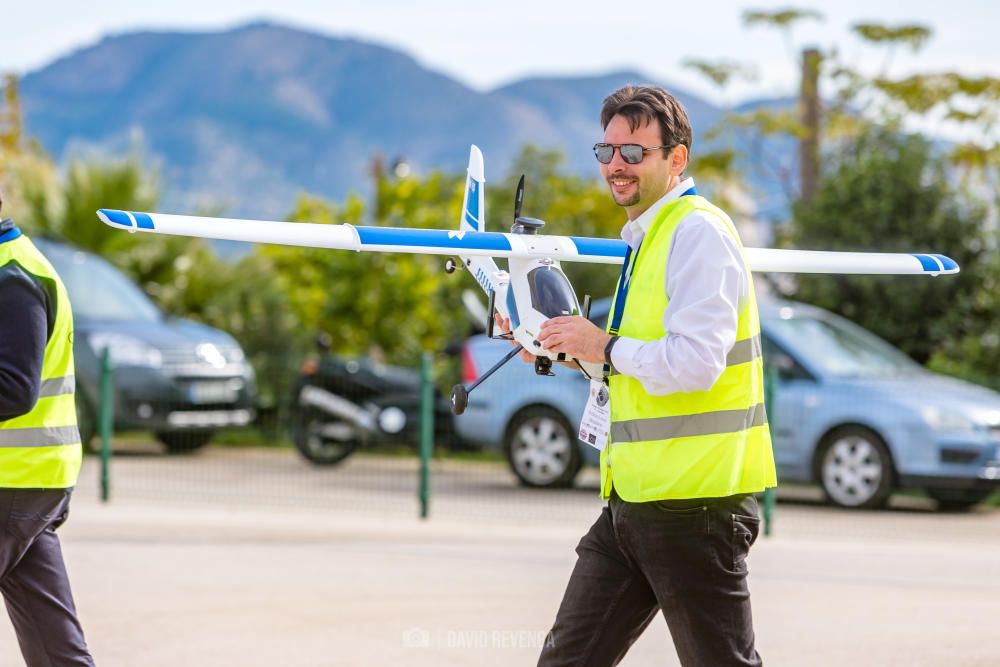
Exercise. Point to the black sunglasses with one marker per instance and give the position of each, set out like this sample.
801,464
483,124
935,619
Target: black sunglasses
631,153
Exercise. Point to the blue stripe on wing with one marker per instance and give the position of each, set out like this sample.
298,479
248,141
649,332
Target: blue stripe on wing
433,238
117,217
592,247
142,220
928,263
947,262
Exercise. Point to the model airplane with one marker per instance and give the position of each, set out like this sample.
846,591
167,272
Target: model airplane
534,288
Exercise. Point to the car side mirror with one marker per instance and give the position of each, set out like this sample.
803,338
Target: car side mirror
786,367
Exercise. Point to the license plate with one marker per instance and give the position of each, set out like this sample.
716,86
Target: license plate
212,392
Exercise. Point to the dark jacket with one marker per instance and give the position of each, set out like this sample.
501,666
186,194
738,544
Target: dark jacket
24,333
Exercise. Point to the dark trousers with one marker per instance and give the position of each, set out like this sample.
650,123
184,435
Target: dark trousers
685,558
33,578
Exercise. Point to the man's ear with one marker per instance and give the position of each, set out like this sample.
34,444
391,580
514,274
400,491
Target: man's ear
678,159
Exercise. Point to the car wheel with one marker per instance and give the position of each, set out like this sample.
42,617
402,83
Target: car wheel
322,440
542,449
855,468
958,500
184,442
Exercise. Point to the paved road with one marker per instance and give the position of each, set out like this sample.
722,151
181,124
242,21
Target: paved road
253,557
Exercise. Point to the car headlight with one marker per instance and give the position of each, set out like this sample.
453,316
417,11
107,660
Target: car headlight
125,350
940,419
235,355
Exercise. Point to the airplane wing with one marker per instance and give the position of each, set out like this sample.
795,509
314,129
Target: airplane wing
495,244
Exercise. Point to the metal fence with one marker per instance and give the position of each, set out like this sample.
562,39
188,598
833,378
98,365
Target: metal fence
411,460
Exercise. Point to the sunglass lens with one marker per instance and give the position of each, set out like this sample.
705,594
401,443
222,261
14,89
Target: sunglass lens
604,153
631,153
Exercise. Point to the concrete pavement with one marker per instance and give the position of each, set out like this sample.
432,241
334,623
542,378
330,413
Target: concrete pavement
253,557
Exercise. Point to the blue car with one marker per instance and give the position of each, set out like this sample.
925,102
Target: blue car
851,413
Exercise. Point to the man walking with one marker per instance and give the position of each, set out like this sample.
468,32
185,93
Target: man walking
40,453
688,437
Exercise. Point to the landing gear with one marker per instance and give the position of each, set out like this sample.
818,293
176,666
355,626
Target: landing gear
459,393
459,399
543,366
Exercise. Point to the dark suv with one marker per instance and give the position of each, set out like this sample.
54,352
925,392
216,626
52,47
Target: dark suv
177,378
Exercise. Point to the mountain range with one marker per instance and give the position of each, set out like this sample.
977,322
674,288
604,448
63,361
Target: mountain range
243,120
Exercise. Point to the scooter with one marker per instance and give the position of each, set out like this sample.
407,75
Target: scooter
342,404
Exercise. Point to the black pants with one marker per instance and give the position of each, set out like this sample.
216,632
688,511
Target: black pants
686,558
33,578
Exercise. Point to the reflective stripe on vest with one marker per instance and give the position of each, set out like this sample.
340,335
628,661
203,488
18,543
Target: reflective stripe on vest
686,426
57,386
696,444
744,351
41,436
41,449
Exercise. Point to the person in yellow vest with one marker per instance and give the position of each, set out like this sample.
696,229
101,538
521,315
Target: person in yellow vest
686,442
40,453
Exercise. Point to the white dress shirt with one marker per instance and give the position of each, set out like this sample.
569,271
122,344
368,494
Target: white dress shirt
707,285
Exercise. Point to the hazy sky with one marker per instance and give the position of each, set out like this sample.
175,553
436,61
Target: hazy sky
485,44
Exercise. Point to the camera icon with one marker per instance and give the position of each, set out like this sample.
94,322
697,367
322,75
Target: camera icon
416,638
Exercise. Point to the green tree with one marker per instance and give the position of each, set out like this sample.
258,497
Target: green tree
884,189
393,305
717,164
887,192
972,351
71,214
23,165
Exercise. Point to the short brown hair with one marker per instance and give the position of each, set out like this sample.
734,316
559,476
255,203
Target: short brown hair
645,104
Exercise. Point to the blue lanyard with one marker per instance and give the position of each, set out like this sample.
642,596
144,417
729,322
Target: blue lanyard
625,279
622,293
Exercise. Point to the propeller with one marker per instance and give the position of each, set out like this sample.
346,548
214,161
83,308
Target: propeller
519,198
523,225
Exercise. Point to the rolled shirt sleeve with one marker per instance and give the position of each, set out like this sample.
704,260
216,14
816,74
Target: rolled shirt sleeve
707,283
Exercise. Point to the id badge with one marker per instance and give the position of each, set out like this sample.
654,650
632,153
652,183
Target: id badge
596,421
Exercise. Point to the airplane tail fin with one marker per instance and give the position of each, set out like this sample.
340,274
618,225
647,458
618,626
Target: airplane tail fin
474,204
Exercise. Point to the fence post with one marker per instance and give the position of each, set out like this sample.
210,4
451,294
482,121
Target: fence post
770,381
426,431
106,423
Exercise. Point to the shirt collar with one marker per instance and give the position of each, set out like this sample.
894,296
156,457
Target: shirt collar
634,230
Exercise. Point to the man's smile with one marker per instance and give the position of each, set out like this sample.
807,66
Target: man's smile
621,183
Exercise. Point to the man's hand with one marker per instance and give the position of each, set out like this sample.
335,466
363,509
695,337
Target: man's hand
504,325
575,336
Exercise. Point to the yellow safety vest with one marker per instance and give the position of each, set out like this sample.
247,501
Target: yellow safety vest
699,444
41,449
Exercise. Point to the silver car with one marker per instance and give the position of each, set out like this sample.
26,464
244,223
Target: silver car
850,412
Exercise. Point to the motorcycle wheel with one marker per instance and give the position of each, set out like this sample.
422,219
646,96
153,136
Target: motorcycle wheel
321,439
